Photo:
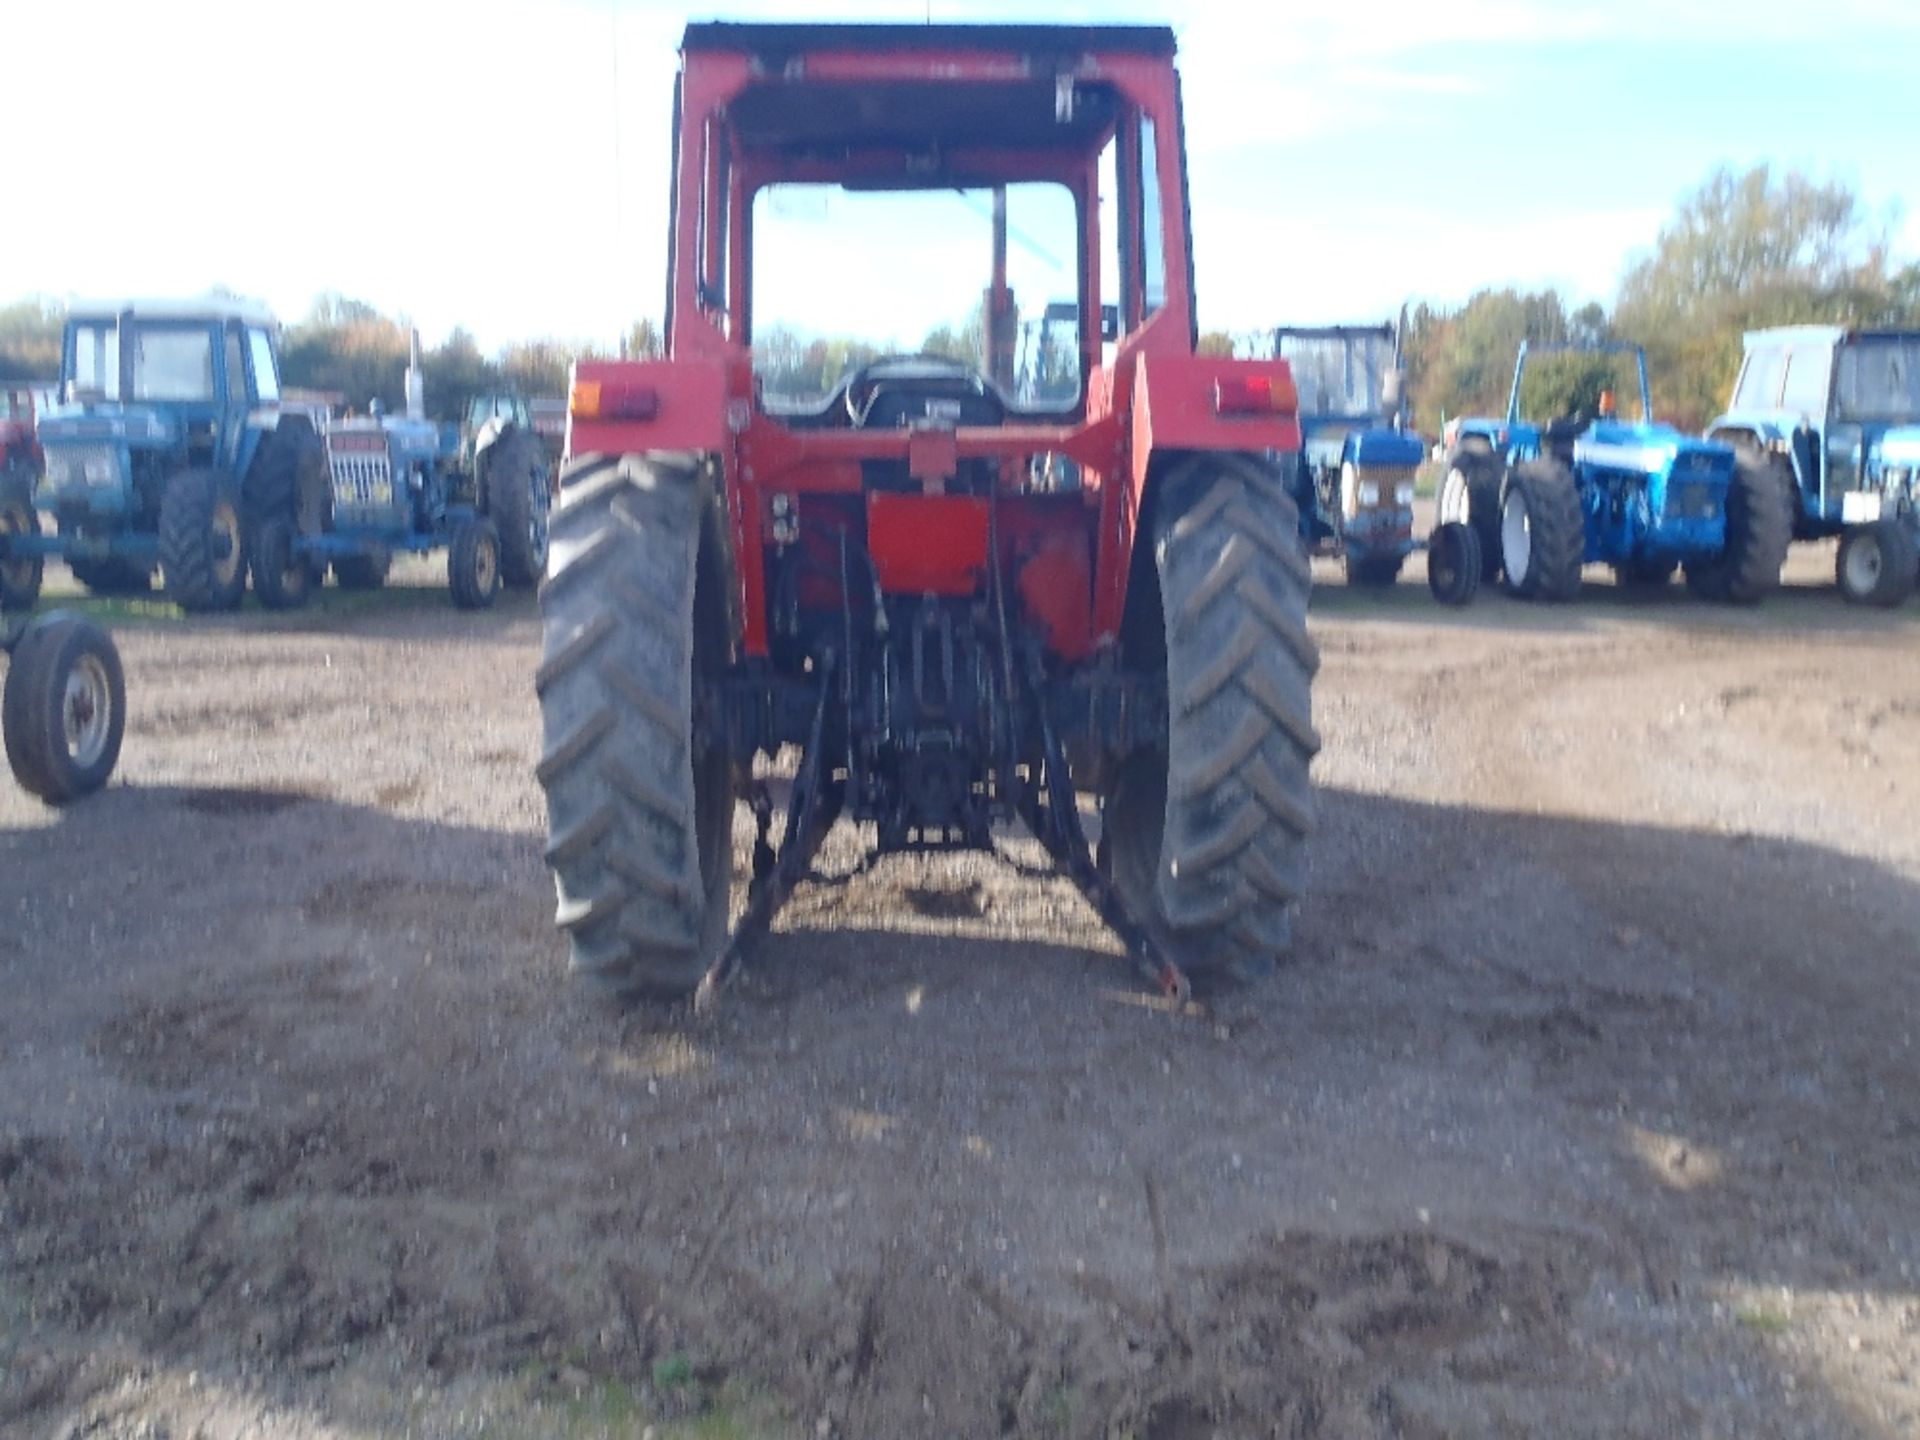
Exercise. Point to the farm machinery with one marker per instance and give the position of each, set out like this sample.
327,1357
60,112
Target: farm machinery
875,568
391,483
63,709
1636,495
1353,479
21,462
1831,418
167,446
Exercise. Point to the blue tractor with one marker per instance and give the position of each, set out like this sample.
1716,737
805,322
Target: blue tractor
166,449
401,483
1353,479
1831,417
1547,499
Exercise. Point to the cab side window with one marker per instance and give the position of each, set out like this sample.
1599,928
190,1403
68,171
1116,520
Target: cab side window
1808,371
266,379
236,370
1759,387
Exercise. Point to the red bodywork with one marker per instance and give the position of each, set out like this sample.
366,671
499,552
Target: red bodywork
19,444
754,105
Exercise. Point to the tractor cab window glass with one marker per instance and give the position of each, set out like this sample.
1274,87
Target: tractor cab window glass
1807,373
1338,374
172,363
236,370
487,407
1153,252
922,267
266,379
1879,379
96,360
1760,380
1109,214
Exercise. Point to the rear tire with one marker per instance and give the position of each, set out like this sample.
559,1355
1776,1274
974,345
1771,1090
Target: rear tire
1760,509
282,577
203,552
1876,565
1454,566
517,501
1543,533
473,563
1209,837
20,575
639,807
64,709
1470,495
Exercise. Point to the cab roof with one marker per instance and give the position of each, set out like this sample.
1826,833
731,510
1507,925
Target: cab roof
779,41
218,308
1825,334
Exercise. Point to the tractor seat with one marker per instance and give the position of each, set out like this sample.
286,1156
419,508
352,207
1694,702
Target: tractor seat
1560,435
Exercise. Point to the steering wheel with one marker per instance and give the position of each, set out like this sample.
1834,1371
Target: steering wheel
863,387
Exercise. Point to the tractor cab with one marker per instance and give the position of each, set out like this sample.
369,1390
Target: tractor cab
1354,478
1835,415
147,388
167,435
903,497
1842,407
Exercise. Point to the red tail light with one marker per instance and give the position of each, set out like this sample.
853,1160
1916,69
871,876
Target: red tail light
1253,395
611,400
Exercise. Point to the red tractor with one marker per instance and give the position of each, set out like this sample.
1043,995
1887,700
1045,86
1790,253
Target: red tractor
830,522
21,464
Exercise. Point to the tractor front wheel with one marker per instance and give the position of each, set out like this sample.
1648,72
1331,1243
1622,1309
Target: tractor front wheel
1454,566
1208,837
517,502
282,576
203,551
19,574
473,563
1470,495
640,804
65,708
1759,529
1876,564
1543,536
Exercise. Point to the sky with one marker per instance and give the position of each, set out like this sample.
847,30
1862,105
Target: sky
502,164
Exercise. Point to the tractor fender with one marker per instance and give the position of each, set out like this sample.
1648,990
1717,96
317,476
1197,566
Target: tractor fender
1770,435
1203,403
624,406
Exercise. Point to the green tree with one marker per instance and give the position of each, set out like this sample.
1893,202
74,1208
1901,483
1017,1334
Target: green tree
1217,343
644,341
1461,362
30,340
1749,250
453,373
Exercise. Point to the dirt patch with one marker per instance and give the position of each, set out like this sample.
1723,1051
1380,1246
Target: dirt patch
1586,1107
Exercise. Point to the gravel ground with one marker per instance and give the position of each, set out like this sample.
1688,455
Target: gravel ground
1589,1106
